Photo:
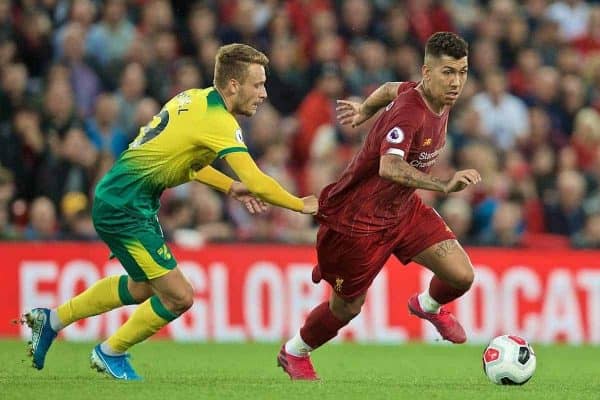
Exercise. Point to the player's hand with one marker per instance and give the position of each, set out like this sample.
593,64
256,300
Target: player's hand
461,180
350,112
240,192
311,205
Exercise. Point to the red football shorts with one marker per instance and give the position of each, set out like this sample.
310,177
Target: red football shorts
349,264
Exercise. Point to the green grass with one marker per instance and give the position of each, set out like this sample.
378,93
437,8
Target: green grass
247,371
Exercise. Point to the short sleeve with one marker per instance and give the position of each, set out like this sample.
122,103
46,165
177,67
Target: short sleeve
404,86
398,133
224,135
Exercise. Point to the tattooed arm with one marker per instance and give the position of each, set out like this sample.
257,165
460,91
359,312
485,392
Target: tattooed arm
355,113
394,168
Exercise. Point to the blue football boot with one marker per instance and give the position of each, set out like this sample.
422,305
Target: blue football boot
42,335
116,366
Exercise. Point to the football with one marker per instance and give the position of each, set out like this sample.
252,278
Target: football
509,360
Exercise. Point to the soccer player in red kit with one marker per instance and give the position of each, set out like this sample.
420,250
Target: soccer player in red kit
372,211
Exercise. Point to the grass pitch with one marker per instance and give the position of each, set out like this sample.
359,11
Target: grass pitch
247,371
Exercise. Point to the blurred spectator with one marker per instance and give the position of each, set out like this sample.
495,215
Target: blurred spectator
7,192
317,109
484,57
8,51
186,76
372,69
406,63
73,169
286,83
81,13
565,215
23,149
520,77
573,99
145,110
588,43
456,212
396,27
206,58
59,112
110,38
78,223
586,137
242,27
547,40
589,236
504,116
208,218
201,25
83,78
6,25
506,227
43,223
261,134
176,214
157,16
571,16
102,128
162,69
33,42
428,17
130,93
356,21
516,38
14,93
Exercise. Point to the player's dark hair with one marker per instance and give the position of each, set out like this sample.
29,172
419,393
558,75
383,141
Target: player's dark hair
446,44
232,62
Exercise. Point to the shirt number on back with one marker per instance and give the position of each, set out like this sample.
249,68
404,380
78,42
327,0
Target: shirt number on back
148,132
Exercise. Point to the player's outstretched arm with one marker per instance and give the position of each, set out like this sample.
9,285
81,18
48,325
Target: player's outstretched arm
266,188
394,168
213,178
355,113
237,190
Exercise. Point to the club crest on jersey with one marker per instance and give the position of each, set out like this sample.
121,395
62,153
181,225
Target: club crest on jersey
338,284
238,136
395,135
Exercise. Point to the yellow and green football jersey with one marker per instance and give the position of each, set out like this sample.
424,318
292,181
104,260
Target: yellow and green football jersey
189,133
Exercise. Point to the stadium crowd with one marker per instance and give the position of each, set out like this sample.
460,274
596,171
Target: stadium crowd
79,77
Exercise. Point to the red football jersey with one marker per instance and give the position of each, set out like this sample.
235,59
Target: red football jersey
362,202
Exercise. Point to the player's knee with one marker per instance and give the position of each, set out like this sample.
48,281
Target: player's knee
140,291
465,279
353,308
346,311
184,300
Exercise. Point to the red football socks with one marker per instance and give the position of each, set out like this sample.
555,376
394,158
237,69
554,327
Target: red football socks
320,326
442,292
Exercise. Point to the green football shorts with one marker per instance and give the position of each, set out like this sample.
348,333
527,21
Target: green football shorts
136,241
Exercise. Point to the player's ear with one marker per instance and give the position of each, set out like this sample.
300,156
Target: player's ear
234,85
426,72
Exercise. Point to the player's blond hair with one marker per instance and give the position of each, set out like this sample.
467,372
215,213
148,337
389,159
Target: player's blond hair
232,62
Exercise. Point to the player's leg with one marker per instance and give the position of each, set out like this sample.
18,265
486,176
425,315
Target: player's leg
453,277
453,273
426,239
350,273
105,295
321,325
173,295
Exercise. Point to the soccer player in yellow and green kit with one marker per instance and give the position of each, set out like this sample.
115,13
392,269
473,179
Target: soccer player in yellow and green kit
179,144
